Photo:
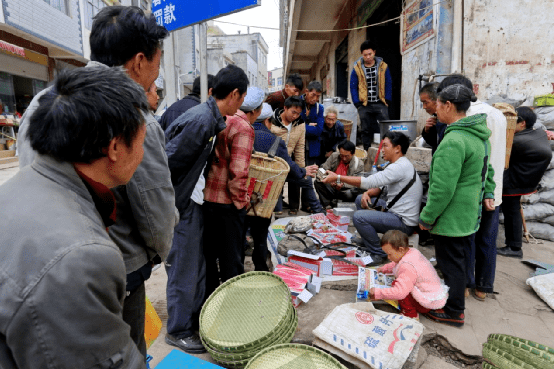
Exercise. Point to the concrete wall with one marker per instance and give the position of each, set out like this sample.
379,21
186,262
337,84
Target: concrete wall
39,19
508,48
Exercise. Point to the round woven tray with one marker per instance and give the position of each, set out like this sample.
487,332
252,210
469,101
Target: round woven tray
245,311
231,356
502,359
292,356
539,356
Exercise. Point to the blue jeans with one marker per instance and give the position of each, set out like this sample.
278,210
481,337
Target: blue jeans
481,263
370,222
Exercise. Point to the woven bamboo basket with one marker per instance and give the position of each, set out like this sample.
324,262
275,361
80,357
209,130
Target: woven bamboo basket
361,153
293,356
511,120
347,126
266,177
539,356
502,359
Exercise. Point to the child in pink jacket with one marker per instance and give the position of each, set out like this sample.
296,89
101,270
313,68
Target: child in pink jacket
417,286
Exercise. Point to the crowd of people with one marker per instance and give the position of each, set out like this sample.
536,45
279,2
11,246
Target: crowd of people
107,191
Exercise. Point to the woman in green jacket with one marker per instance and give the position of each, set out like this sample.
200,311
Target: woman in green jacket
461,178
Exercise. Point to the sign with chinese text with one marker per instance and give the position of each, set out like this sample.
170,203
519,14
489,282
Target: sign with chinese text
175,14
417,24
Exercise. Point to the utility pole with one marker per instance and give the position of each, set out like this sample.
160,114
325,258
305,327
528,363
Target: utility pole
203,38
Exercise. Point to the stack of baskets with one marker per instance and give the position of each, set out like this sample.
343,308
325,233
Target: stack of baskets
508,352
245,315
293,356
266,178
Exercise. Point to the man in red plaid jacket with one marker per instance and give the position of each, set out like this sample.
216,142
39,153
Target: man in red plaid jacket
226,193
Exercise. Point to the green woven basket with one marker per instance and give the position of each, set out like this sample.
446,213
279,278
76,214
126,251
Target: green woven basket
285,337
502,359
245,312
293,356
488,366
529,352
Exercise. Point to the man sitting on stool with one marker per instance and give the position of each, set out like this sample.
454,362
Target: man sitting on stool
344,163
403,200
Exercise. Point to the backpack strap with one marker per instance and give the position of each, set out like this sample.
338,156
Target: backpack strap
401,193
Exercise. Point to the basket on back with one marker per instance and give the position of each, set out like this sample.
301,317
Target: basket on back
347,126
266,177
511,121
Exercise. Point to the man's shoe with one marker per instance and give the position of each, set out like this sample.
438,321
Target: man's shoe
508,251
377,260
190,345
357,240
442,316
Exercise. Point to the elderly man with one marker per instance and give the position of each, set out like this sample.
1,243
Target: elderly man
344,163
531,155
332,134
226,194
404,191
191,139
146,214
63,277
433,132
265,141
293,87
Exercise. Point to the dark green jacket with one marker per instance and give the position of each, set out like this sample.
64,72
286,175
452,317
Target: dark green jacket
459,180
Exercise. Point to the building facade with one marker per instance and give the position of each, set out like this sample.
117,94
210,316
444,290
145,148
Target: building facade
505,58
275,80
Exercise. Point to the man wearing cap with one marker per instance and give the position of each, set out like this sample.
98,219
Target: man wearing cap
264,140
226,193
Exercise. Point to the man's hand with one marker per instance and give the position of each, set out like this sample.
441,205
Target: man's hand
550,135
328,154
365,200
372,293
331,177
313,124
311,170
423,228
431,122
489,204
339,186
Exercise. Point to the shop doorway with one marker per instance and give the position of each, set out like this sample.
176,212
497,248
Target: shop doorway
341,67
387,37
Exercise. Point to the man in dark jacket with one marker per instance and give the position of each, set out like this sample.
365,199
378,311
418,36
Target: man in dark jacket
187,102
146,213
62,277
293,87
531,155
190,142
433,132
332,134
263,142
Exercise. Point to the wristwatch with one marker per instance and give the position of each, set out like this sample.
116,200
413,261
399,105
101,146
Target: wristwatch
338,179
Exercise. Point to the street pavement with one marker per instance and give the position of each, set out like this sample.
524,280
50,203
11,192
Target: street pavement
515,309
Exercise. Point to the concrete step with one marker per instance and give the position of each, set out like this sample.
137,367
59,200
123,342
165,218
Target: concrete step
9,162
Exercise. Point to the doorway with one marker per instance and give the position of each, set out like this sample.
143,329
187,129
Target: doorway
387,37
341,58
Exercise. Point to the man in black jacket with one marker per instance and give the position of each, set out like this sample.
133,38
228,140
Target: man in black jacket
531,155
190,142
187,102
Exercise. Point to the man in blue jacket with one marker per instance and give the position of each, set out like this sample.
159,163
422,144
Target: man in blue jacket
190,142
371,90
263,142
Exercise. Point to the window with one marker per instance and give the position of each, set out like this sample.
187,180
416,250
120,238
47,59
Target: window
273,82
92,7
280,81
61,5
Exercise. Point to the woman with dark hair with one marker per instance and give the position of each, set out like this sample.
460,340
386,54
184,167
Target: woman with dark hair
461,177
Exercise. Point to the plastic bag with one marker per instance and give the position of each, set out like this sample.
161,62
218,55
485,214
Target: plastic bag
538,211
543,231
544,287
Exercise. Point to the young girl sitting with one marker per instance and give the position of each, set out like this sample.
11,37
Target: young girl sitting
417,286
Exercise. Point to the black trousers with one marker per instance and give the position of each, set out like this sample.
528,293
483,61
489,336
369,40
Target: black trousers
327,193
259,228
224,232
513,223
452,253
134,310
186,274
369,117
